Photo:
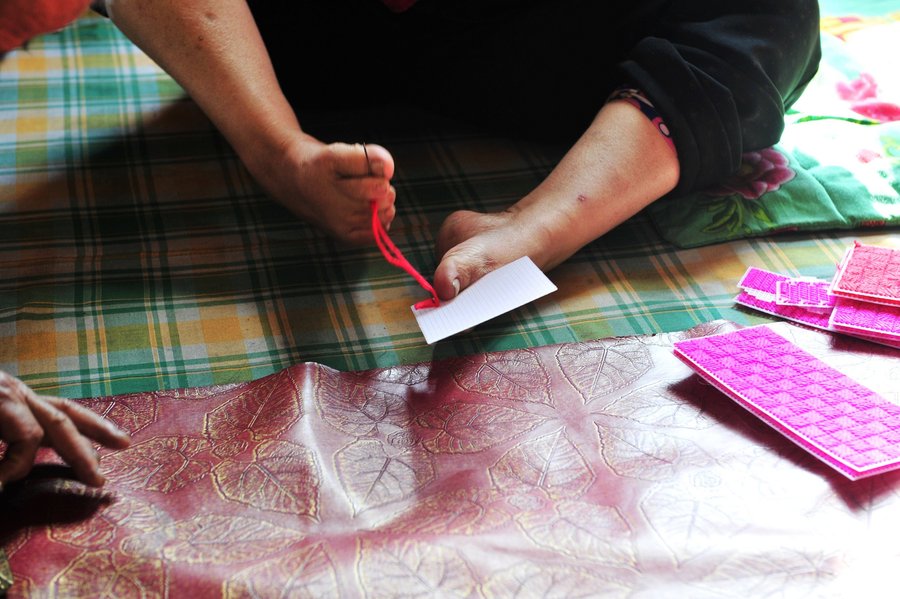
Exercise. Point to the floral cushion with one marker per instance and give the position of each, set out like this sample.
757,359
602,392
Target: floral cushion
838,163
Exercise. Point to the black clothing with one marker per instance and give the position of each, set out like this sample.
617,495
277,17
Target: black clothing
721,73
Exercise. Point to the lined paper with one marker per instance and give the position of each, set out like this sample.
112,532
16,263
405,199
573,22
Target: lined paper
494,294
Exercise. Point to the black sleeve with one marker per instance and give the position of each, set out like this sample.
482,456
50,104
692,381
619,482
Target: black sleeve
721,73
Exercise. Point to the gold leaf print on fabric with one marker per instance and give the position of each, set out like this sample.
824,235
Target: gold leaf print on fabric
404,374
131,413
647,453
770,573
304,573
551,463
281,477
597,368
414,569
15,541
100,530
459,512
198,393
348,403
24,587
691,519
582,531
265,411
515,375
213,539
462,427
374,475
657,407
107,575
163,464
544,580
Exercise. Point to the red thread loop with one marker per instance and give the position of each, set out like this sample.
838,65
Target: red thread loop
393,255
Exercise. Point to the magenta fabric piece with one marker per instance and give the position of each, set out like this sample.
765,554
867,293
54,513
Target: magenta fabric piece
759,289
869,273
812,295
843,423
875,320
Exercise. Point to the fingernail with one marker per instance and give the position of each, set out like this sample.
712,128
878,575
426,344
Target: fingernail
376,169
455,287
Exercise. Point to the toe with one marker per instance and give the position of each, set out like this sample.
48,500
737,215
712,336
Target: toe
460,267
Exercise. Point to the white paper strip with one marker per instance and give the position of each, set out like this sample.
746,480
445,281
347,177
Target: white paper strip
494,294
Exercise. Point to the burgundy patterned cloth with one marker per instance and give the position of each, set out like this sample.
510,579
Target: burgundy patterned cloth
601,468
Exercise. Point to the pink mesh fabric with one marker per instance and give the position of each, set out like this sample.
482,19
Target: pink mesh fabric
843,423
875,320
869,273
809,294
759,288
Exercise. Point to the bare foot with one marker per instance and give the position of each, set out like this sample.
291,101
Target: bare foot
331,185
473,244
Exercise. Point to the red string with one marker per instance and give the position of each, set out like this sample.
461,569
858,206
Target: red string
393,255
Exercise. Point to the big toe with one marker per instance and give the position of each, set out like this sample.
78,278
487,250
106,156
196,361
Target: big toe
461,266
459,227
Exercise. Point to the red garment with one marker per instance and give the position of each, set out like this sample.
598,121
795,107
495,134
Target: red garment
21,20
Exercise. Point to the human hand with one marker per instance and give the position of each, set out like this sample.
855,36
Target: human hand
331,185
29,420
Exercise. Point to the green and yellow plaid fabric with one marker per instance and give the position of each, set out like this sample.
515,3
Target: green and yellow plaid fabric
137,254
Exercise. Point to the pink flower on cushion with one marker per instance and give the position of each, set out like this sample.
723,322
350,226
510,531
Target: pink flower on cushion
760,172
883,112
861,88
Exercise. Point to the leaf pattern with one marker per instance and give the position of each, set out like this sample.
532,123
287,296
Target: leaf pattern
657,406
459,512
355,408
647,453
163,464
131,413
582,531
102,529
281,477
543,580
467,427
551,463
419,569
692,520
304,573
596,369
769,574
403,374
514,375
107,575
264,411
213,539
373,476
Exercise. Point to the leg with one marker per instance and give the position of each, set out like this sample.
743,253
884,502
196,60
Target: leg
601,181
213,48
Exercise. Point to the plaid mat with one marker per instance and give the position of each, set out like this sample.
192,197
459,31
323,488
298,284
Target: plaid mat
138,255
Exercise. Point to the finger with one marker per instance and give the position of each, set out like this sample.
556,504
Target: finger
22,434
71,445
91,424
